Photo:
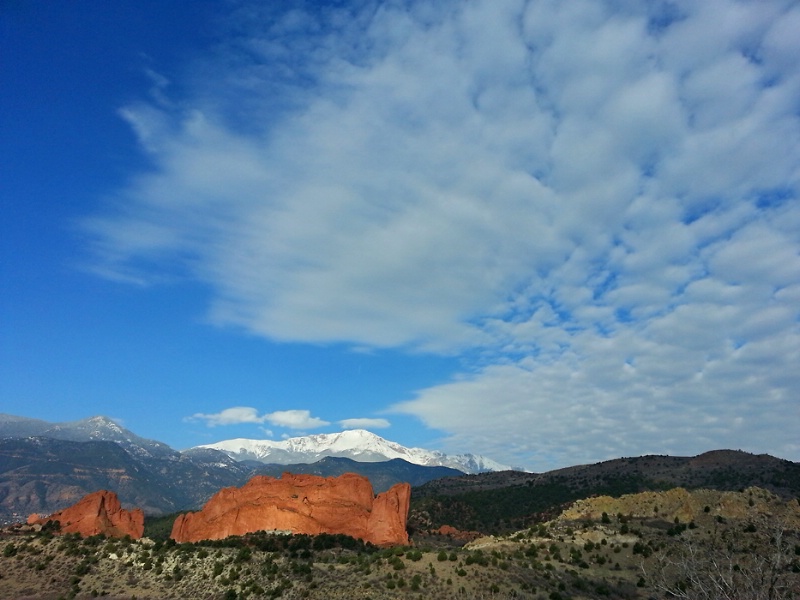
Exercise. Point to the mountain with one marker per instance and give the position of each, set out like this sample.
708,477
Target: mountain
502,502
382,475
39,474
13,426
45,467
97,428
356,444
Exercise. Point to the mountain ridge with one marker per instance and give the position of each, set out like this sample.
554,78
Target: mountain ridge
45,466
96,428
40,474
503,501
383,475
357,444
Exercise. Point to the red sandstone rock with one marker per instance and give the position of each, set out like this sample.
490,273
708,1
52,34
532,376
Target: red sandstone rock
447,530
99,512
302,504
457,534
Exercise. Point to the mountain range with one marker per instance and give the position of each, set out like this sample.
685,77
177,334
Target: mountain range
97,428
46,466
357,444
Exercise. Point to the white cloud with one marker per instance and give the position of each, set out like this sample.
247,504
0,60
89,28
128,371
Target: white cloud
292,419
364,423
598,202
229,416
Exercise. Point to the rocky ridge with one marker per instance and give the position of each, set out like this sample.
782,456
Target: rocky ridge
96,513
686,506
302,504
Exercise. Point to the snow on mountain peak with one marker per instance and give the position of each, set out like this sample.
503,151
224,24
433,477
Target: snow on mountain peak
357,444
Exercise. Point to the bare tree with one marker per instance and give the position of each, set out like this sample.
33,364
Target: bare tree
731,565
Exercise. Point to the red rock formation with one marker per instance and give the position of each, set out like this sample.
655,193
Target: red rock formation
99,512
302,504
457,534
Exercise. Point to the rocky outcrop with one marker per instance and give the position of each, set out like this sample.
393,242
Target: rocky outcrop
302,504
456,534
686,506
99,512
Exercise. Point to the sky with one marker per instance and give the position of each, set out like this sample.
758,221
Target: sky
548,232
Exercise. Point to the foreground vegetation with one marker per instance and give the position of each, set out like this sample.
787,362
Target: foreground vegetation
616,556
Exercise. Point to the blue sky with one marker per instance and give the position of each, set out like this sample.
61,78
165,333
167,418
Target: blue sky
551,233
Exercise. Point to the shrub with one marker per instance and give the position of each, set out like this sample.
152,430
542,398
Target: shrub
415,582
243,555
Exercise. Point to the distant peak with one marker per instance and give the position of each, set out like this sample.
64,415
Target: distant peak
102,419
353,432
358,433
357,444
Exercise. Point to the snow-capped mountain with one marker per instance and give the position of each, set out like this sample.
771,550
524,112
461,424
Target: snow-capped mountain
356,444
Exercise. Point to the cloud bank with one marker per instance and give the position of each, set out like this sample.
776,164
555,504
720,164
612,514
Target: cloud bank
594,203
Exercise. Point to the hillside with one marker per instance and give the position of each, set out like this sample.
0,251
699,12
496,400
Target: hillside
505,501
635,554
